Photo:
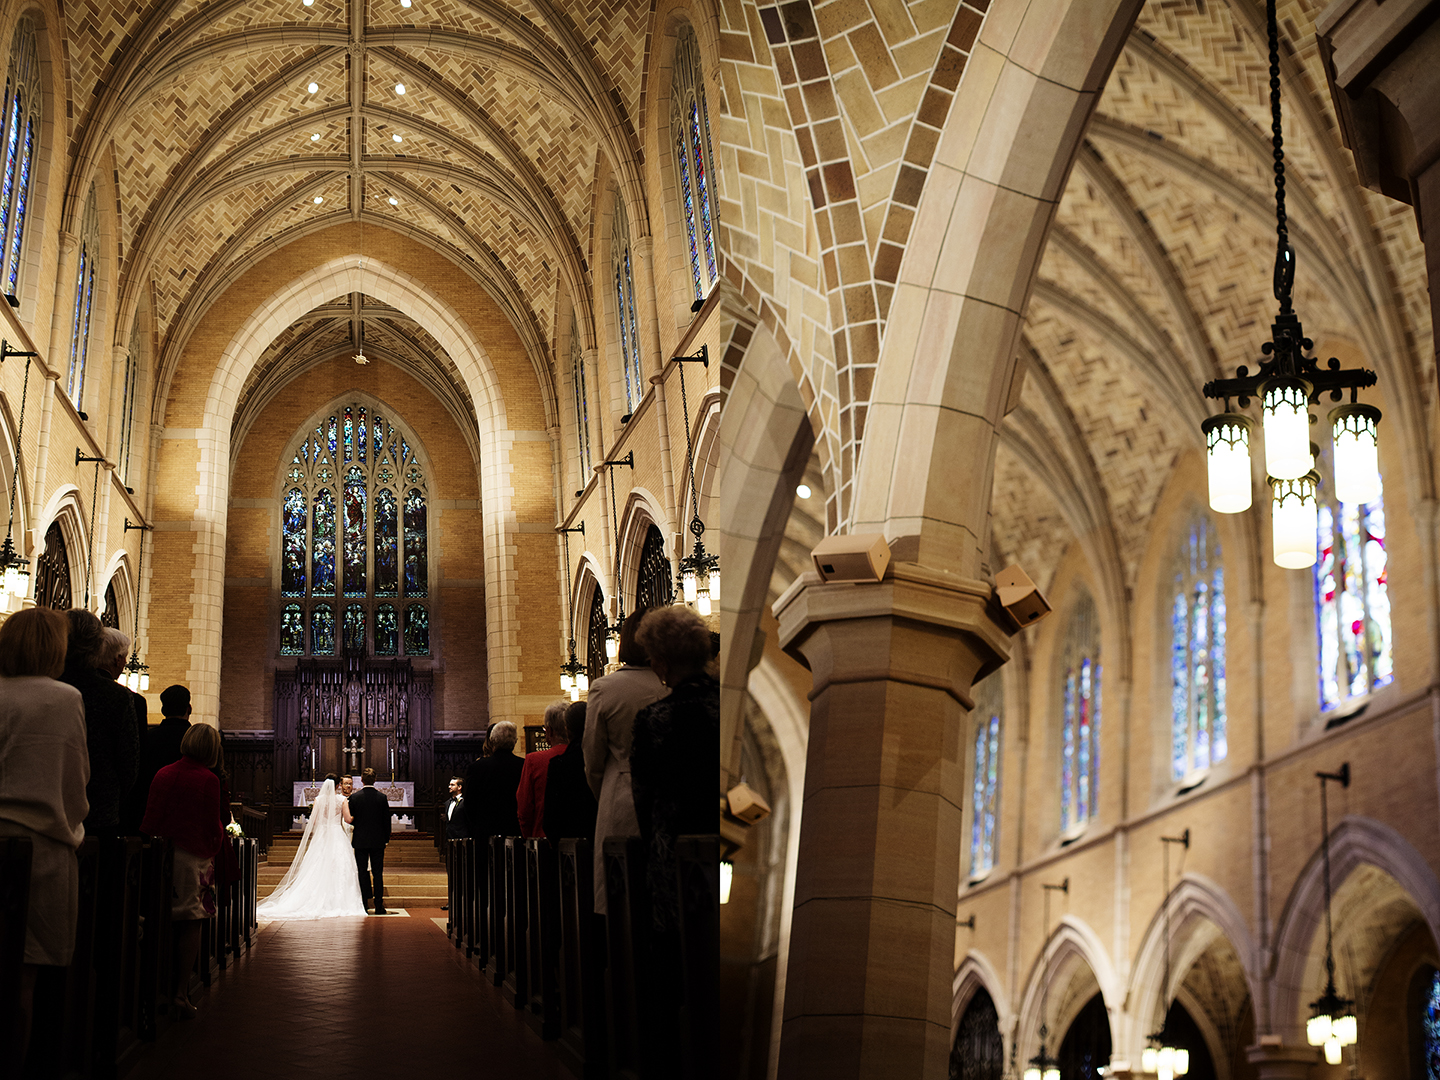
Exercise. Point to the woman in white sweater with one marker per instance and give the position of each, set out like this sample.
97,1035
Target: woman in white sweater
44,767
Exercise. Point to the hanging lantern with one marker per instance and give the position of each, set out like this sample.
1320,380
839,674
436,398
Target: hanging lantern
689,584
612,645
1357,457
1287,428
727,874
1294,516
1227,451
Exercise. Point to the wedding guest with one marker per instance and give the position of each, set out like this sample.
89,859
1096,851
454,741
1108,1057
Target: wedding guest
111,734
530,795
185,806
610,710
490,786
347,786
112,663
569,803
163,744
455,826
44,769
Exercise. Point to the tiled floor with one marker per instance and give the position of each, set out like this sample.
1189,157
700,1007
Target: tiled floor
326,998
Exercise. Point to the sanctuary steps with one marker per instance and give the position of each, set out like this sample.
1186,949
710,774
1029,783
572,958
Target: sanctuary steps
414,870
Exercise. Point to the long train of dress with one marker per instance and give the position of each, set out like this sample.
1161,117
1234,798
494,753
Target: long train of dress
322,882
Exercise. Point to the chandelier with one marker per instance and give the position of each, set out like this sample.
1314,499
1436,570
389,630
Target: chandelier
699,577
1043,1066
574,679
1287,383
14,567
1332,1017
1162,1057
137,673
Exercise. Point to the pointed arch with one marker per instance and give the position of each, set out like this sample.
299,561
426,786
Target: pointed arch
976,972
1073,944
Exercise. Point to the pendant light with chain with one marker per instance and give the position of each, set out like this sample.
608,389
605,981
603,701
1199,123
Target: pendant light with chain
14,567
1043,1066
137,673
700,570
612,636
574,679
1332,1021
1162,1057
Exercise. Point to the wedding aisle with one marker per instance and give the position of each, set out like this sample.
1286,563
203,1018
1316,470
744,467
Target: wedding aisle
323,998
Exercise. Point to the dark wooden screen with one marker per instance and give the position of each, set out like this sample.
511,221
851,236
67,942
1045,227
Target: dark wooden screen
595,632
654,585
1086,1046
111,615
979,1052
52,571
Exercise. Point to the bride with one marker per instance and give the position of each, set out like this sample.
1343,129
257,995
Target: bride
322,881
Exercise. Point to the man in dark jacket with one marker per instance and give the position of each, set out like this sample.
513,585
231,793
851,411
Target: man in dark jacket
111,733
490,787
370,810
570,805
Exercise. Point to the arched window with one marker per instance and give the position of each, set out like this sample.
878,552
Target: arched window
690,140
127,405
596,629
110,616
1197,653
985,788
19,135
1080,716
654,586
354,561
625,309
84,300
52,571
1352,598
979,1051
582,405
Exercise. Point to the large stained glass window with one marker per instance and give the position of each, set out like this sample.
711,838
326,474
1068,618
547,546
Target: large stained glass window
1080,716
625,310
1197,653
127,405
1352,598
85,262
19,137
695,163
582,405
985,785
353,512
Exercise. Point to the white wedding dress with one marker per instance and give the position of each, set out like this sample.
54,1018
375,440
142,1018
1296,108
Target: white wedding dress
322,882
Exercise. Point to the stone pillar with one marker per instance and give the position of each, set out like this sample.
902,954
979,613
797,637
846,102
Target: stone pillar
1382,61
872,944
1273,1061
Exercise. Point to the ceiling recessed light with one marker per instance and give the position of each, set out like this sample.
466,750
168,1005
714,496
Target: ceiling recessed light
319,199
394,201
397,138
400,88
315,137
803,491
313,88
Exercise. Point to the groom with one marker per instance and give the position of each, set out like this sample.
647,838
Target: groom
371,813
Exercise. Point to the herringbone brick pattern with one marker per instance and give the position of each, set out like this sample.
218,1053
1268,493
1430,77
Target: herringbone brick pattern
1027,525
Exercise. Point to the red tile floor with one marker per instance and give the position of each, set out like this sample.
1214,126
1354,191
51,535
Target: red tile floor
329,997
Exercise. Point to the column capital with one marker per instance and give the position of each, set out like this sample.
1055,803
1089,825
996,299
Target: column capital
910,593
1275,1061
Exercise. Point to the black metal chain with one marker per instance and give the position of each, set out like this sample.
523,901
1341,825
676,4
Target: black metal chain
1284,256
1325,848
570,600
697,527
90,535
139,579
615,531
19,436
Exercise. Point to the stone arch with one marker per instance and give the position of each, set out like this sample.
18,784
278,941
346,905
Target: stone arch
286,304
119,573
948,360
1072,955
587,588
66,509
976,972
641,510
705,429
1355,843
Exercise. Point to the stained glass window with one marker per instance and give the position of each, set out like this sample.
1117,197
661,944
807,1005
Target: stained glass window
985,785
84,297
1352,599
127,408
1197,653
21,128
690,135
625,310
341,535
582,405
1080,716
1430,1025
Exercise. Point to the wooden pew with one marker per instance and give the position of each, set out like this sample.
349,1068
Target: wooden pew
155,888
582,965
627,928
697,872
542,934
15,856
494,900
517,916
116,955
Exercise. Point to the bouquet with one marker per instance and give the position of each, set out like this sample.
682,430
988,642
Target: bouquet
233,829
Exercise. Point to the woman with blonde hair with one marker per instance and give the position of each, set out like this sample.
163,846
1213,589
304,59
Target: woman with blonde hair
44,767
186,806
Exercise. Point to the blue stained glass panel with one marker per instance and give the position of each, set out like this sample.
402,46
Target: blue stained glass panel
85,335
987,778
1430,1026
1067,760
378,429
1219,744
1083,739
360,436
417,571
354,628
387,570
332,437
22,198
1200,689
292,567
1352,600
1328,616
624,338
689,202
1377,596
12,139
417,630
75,337
349,435
292,631
322,533
322,630
702,185
387,632
355,498
1179,685
634,330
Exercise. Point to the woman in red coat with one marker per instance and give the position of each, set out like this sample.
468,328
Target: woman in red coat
186,806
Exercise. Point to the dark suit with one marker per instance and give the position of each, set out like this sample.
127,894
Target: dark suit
570,805
490,785
455,820
371,813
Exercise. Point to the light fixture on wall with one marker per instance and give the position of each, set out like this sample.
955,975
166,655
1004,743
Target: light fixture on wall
14,567
1332,1018
574,679
137,673
1043,1066
612,634
700,570
1287,382
80,459
1162,1057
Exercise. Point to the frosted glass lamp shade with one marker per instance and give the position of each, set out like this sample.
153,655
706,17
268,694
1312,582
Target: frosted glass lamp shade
727,874
1149,1059
702,605
1287,429
1227,452
565,681
715,585
1294,515
1344,1029
1032,1073
582,683
574,692
1357,458
1182,1061
144,682
612,646
15,581
690,585
1332,1051
1051,1073
1317,1029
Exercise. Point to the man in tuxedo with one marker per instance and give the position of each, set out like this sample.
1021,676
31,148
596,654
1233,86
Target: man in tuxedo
455,821
370,811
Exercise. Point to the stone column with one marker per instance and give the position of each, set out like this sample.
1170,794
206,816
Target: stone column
1276,1062
872,943
1382,61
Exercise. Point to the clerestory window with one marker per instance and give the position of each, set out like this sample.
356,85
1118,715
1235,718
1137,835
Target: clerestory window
88,258
20,137
690,140
1080,716
625,309
1197,653
985,785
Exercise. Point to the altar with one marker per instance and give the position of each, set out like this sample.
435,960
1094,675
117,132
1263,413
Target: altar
400,793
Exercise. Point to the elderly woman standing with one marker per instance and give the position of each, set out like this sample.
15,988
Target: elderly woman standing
186,806
44,768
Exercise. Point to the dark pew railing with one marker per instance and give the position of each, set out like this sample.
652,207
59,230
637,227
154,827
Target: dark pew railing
15,857
621,1001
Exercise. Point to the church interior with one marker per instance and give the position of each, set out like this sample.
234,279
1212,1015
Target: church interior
367,361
